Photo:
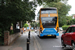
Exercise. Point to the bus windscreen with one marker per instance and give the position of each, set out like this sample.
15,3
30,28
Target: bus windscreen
48,11
49,22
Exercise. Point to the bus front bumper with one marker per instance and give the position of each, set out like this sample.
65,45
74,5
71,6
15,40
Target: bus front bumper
53,34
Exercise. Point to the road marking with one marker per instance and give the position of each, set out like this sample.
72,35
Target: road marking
38,47
35,46
34,42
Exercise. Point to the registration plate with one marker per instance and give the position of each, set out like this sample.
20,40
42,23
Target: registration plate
49,35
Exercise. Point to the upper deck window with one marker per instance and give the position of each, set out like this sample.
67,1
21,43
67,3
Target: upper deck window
48,11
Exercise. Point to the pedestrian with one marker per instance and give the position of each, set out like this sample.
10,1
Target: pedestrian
24,29
21,31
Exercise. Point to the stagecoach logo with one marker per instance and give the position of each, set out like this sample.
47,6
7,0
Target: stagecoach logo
49,30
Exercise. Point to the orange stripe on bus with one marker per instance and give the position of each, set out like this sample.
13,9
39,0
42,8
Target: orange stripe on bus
44,15
53,15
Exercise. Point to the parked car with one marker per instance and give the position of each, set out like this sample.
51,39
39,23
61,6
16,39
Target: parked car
60,28
68,37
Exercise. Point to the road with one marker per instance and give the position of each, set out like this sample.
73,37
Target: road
48,43
36,43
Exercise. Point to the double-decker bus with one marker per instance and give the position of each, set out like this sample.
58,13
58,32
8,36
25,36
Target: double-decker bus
48,18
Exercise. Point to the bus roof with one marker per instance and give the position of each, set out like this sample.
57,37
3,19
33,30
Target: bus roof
49,8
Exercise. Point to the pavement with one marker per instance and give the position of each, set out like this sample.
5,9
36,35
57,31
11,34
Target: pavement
20,43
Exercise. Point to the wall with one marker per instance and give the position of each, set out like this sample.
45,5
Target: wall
10,38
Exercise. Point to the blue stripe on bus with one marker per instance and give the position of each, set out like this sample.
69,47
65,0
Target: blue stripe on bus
49,31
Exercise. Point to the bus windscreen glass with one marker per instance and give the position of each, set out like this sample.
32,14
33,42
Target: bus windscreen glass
49,22
48,11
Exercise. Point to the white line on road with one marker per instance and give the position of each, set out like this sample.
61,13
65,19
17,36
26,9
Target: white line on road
36,42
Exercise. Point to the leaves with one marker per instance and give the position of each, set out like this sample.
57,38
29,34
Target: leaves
72,21
47,1
62,11
14,11
25,25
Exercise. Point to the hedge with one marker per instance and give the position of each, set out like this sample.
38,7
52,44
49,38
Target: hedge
65,27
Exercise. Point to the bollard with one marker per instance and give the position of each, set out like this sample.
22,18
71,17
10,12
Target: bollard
29,35
27,43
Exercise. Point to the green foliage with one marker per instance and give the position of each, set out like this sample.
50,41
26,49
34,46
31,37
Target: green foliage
65,27
32,24
0,34
62,11
25,25
48,1
72,21
1,37
68,19
38,24
16,11
13,11
11,32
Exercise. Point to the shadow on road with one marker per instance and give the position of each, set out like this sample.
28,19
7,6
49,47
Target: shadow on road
48,37
67,48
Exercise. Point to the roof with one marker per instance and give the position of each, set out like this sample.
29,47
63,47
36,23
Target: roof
49,8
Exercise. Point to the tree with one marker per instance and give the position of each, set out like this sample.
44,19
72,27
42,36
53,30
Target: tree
32,24
40,2
25,25
68,19
48,1
72,21
62,11
13,11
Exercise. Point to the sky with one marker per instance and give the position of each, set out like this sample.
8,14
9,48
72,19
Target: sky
70,2
36,11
